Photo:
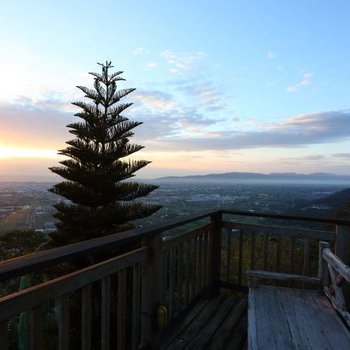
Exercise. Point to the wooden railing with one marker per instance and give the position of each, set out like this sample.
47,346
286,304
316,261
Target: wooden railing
339,277
116,303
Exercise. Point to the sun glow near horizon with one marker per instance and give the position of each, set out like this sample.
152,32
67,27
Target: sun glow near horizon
8,152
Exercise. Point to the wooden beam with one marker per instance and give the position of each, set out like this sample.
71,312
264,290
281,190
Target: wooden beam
282,276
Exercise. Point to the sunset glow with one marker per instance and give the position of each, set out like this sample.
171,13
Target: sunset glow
14,152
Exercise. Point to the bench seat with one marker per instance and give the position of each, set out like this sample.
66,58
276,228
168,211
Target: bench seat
285,318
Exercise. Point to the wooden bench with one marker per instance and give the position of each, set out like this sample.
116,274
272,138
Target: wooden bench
286,318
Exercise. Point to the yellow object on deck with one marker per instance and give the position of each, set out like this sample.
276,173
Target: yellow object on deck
162,316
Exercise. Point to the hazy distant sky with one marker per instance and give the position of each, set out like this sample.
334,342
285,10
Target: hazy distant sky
258,86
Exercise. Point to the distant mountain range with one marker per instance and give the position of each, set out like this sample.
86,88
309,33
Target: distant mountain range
262,178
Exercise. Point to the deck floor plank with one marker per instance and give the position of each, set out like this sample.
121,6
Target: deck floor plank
215,317
218,316
284,318
233,331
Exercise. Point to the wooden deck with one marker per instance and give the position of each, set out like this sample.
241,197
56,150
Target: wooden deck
283,318
213,323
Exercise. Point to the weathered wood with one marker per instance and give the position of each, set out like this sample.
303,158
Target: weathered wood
338,271
182,322
292,255
203,337
225,332
210,254
283,318
105,312
32,297
121,334
252,251
149,295
306,265
63,322
283,231
282,276
180,277
33,262
337,263
266,248
322,264
240,257
3,336
35,328
196,325
228,253
186,236
216,252
200,262
339,296
171,283
136,286
205,259
284,217
208,325
278,253
136,289
86,317
342,243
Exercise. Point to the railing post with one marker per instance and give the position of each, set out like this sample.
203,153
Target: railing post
151,272
323,273
215,267
342,250
3,335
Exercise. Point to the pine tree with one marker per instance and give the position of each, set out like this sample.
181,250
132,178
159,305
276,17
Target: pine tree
98,200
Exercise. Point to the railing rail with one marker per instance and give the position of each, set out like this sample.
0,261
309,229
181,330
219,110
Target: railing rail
339,273
37,261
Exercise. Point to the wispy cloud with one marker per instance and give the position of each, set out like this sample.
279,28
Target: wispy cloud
344,156
157,100
271,55
33,127
297,131
181,63
205,93
152,65
305,81
141,51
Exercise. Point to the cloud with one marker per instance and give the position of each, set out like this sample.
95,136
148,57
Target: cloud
141,51
307,158
33,127
297,131
152,65
181,63
306,80
158,100
271,55
344,156
206,94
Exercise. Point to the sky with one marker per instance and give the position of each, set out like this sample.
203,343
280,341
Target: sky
221,86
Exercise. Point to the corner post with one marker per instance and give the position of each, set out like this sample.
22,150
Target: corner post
342,250
150,291
323,274
215,267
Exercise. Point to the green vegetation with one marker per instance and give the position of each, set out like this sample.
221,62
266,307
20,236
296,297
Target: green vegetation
17,243
100,201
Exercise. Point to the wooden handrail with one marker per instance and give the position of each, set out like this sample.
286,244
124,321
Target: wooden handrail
283,231
337,264
32,297
33,262
285,217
